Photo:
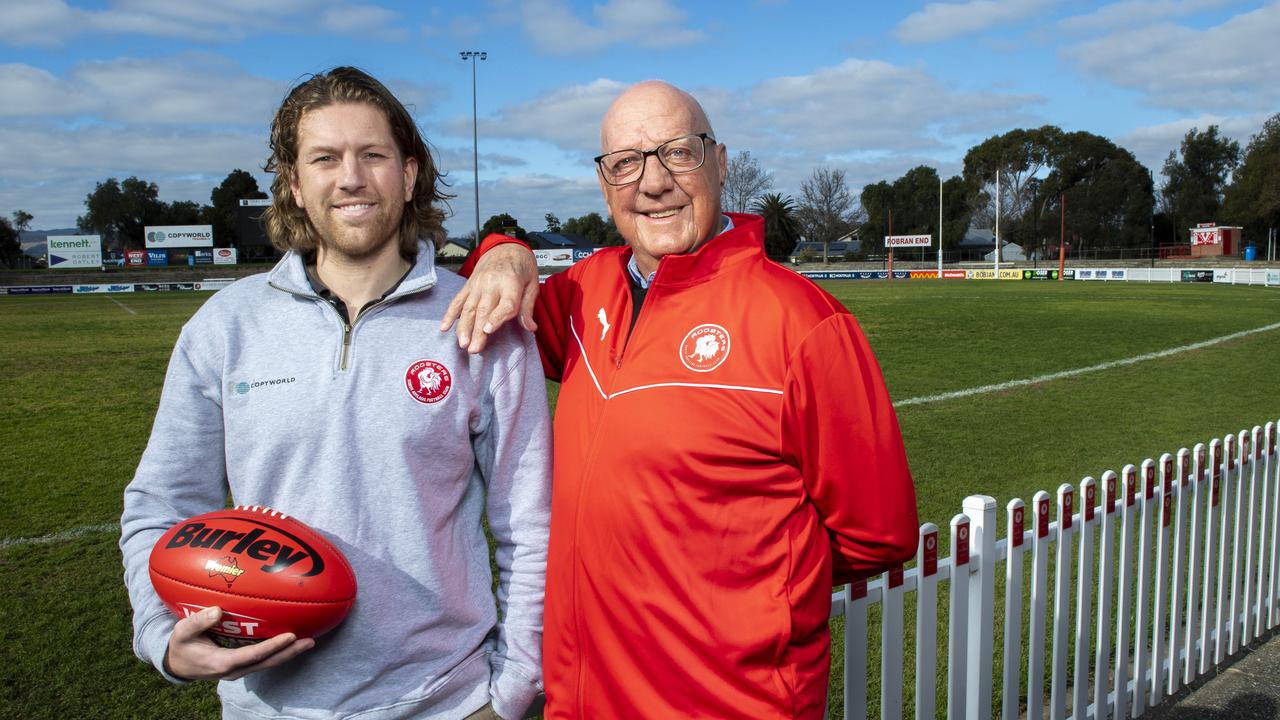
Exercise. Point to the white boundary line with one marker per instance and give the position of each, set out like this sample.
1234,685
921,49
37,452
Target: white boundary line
970,392
127,309
6,543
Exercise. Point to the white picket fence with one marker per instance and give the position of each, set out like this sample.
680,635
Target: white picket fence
1180,558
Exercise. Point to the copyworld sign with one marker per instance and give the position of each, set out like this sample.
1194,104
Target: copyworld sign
178,236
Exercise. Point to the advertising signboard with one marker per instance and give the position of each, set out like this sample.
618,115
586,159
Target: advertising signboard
1197,276
157,257
224,256
135,258
892,241
75,251
553,258
954,274
582,253
178,236
201,257
1007,274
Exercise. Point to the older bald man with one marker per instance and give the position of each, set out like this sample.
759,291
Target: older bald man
725,450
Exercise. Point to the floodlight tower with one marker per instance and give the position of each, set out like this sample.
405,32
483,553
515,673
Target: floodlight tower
473,55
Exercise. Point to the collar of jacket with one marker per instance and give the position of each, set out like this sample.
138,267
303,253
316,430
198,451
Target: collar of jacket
744,242
290,274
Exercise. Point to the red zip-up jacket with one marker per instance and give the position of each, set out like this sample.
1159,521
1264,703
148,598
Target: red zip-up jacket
718,467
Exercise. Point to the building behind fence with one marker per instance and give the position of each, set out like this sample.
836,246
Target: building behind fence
1170,568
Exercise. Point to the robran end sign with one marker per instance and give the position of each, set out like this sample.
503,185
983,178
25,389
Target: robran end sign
178,236
74,251
891,241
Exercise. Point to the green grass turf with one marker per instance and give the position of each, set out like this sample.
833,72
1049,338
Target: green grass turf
82,377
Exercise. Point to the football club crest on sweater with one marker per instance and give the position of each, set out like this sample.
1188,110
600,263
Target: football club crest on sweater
704,348
428,381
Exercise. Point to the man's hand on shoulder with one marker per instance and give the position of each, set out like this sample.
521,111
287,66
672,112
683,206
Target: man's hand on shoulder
193,656
503,283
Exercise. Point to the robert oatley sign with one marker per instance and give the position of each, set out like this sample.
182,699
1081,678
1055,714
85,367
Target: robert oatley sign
74,251
892,241
178,236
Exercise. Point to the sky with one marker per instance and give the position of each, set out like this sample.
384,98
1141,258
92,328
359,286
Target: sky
181,92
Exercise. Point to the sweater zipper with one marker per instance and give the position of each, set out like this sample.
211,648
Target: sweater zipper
349,328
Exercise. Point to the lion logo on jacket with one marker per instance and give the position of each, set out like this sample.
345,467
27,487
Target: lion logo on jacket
704,348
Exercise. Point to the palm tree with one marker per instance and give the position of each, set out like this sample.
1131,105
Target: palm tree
781,227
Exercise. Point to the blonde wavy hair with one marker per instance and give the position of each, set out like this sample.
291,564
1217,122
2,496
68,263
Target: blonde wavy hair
287,224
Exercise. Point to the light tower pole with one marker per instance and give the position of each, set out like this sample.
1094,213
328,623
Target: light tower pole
473,55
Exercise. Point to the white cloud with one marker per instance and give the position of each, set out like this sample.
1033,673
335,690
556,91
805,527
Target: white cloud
1191,70
1135,13
944,21
371,19
53,23
1153,143
873,106
567,117
33,92
553,28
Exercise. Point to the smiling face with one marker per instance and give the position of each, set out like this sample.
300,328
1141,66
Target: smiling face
662,214
351,179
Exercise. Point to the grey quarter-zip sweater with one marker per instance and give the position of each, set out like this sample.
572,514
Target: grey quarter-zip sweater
392,442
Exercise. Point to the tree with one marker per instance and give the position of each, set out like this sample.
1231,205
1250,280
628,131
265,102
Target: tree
553,223
221,214
1195,183
744,182
10,248
1252,199
118,211
826,205
1017,157
21,221
595,229
781,226
505,224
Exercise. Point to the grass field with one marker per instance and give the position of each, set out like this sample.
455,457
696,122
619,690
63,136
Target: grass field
82,377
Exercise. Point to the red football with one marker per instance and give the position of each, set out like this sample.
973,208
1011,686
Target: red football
269,573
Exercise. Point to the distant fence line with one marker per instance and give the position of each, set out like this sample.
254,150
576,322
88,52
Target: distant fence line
1181,555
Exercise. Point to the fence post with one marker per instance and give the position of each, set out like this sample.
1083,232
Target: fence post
1124,601
1147,635
1182,490
1161,602
1271,469
855,649
1106,589
1199,548
1084,599
927,621
1015,513
1212,520
891,639
1250,451
1263,557
958,618
1039,596
1222,604
981,510
1235,461
1061,604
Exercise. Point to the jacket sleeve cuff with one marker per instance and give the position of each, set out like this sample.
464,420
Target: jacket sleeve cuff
153,642
491,241
511,692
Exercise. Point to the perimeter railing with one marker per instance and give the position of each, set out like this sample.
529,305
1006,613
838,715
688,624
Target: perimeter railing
1106,606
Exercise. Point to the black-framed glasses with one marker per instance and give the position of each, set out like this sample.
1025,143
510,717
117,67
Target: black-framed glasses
679,155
